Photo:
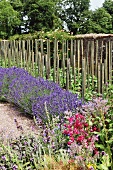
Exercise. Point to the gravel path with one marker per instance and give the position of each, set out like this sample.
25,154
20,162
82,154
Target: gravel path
13,122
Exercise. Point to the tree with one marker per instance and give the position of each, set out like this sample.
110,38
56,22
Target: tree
40,14
88,24
102,21
74,13
8,19
18,6
108,6
98,21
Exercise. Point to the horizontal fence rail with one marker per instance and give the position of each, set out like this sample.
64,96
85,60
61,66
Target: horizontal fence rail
80,57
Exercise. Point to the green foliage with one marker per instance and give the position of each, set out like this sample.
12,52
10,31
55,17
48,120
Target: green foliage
98,21
8,19
28,19
19,7
102,21
108,6
40,15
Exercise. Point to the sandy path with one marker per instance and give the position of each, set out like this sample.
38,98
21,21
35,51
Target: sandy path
13,122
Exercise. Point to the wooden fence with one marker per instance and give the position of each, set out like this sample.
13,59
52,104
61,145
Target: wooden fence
86,55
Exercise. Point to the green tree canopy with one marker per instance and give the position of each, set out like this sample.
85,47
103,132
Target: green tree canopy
40,14
8,19
98,21
108,6
74,13
102,21
18,6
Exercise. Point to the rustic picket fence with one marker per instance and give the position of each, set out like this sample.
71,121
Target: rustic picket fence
89,55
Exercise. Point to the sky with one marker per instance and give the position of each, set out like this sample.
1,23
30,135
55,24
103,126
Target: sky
96,4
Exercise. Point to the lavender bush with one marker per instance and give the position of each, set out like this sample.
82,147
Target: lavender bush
31,93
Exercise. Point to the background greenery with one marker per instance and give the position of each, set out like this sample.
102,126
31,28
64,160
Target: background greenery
31,16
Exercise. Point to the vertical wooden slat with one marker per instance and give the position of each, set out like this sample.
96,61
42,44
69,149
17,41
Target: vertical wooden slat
42,49
106,62
92,62
67,74
103,77
74,69
23,53
46,66
111,60
99,70
21,60
40,65
32,57
42,57
5,52
9,58
63,60
36,56
57,63
78,55
23,57
57,72
67,48
28,54
87,63
83,70
109,57
96,60
13,52
83,77
16,52
101,51
48,59
33,63
74,62
55,56
26,58
11,49
19,53
71,53
42,71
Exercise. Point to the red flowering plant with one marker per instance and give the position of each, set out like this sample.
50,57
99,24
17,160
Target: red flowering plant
93,121
99,115
77,128
80,139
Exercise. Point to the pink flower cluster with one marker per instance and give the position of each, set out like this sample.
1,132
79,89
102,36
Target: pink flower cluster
77,129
